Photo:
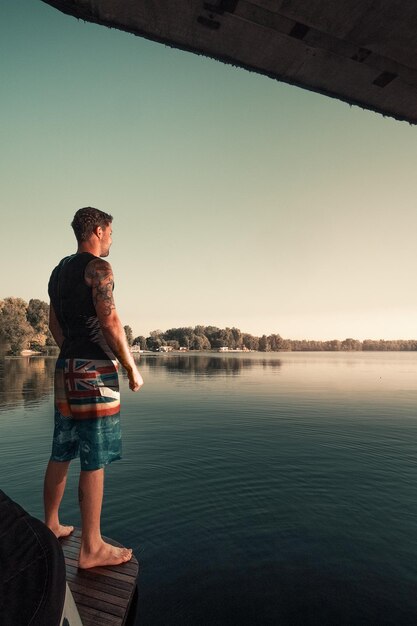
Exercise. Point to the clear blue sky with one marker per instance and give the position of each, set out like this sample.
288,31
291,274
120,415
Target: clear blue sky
237,200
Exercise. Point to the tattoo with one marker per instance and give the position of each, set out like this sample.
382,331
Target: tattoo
101,276
80,494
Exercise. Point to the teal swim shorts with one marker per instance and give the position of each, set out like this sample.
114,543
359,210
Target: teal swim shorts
97,442
97,437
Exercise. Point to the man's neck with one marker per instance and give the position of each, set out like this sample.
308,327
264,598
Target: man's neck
89,246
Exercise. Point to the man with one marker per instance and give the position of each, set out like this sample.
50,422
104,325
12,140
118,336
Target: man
84,323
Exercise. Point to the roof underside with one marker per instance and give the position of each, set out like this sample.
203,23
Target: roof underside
361,51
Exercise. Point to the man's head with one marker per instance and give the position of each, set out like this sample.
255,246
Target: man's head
91,223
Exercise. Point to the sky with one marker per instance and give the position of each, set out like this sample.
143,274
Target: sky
237,200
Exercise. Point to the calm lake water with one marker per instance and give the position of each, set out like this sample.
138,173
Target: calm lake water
254,489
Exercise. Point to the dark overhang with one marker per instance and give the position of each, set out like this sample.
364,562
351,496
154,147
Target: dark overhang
361,51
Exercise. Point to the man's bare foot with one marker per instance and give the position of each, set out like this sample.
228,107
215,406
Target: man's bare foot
104,556
61,531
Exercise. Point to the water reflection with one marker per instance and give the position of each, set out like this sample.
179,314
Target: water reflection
25,381
208,364
29,380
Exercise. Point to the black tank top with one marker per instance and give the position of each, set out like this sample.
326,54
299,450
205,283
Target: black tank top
74,308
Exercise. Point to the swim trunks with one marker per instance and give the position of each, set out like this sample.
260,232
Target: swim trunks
87,412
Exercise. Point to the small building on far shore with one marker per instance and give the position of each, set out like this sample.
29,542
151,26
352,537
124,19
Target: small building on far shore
165,348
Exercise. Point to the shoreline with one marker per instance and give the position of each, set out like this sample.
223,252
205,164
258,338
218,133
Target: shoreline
176,353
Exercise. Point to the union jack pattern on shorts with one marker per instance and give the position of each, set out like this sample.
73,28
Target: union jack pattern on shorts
86,388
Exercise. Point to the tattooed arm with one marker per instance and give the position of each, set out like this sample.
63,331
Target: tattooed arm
99,276
54,326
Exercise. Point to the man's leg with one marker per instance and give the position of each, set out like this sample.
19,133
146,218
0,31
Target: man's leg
53,490
94,551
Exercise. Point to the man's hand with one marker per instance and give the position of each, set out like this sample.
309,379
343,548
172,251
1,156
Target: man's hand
135,379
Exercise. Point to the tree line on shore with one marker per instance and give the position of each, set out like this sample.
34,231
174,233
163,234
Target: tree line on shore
212,338
25,326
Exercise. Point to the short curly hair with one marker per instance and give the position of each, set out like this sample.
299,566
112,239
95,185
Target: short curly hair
87,219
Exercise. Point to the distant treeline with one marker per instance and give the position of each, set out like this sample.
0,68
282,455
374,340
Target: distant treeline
25,325
211,337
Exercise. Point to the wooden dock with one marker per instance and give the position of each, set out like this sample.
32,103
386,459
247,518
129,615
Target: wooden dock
103,595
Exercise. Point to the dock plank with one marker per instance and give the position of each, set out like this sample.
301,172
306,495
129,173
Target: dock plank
73,573
102,594
107,608
97,585
93,617
99,594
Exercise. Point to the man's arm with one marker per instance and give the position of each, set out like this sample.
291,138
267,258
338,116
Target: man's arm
99,276
54,326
